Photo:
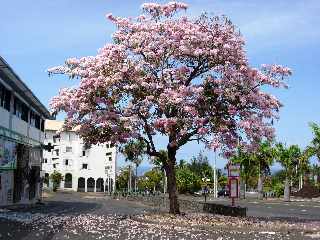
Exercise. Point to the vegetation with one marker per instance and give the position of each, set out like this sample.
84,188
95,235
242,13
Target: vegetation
134,151
152,181
122,179
56,178
288,157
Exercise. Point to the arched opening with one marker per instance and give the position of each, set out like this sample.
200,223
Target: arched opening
81,184
90,185
46,179
111,184
68,180
99,185
107,184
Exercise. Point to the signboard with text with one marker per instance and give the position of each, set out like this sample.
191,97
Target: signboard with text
233,181
234,170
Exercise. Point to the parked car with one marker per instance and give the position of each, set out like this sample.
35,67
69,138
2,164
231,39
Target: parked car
223,193
198,193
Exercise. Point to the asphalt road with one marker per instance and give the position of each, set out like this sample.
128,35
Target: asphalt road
303,210
84,217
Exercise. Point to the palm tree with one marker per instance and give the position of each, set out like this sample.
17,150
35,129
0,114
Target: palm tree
134,152
303,166
247,165
315,143
288,158
264,157
315,171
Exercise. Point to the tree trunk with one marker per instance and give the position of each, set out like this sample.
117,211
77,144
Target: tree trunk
286,194
171,184
260,186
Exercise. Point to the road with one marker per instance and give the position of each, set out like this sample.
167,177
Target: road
77,216
303,210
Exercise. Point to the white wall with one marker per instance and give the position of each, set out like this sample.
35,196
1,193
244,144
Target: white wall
95,157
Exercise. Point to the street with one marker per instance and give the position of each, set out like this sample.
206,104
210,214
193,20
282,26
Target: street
80,217
303,210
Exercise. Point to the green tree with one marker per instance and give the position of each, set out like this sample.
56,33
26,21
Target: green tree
152,180
315,172
134,150
315,142
123,178
248,165
187,180
56,178
288,158
200,166
264,158
222,181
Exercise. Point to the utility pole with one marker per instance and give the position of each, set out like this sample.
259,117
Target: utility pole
129,179
215,182
164,182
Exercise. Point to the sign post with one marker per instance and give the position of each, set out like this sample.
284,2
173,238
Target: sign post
233,181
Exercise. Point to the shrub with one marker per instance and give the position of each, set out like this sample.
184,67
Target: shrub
56,178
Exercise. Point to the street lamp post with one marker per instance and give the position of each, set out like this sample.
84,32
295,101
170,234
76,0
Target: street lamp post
215,182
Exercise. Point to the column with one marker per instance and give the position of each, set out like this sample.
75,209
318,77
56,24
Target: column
85,185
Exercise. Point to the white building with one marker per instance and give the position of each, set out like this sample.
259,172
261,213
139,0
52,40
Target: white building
84,168
22,118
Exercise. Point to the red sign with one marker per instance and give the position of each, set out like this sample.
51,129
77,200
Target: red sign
233,187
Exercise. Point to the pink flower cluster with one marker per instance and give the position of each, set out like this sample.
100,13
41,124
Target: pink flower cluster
156,10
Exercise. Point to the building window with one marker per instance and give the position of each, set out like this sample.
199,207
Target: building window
84,166
45,160
110,159
35,120
20,109
56,152
66,162
108,153
54,165
56,138
42,125
68,149
83,153
5,97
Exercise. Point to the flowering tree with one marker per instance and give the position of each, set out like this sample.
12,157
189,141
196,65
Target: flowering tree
165,73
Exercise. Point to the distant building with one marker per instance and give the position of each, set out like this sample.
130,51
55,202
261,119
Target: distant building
22,118
84,168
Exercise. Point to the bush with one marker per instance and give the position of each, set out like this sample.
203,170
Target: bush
278,189
56,178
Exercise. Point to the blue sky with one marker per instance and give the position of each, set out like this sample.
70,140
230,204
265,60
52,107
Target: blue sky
36,35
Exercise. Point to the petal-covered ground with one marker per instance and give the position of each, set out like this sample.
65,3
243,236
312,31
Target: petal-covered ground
77,217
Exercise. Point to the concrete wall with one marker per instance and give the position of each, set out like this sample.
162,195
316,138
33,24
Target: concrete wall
6,188
5,117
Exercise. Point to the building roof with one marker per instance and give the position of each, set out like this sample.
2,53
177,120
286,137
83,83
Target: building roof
14,81
55,125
